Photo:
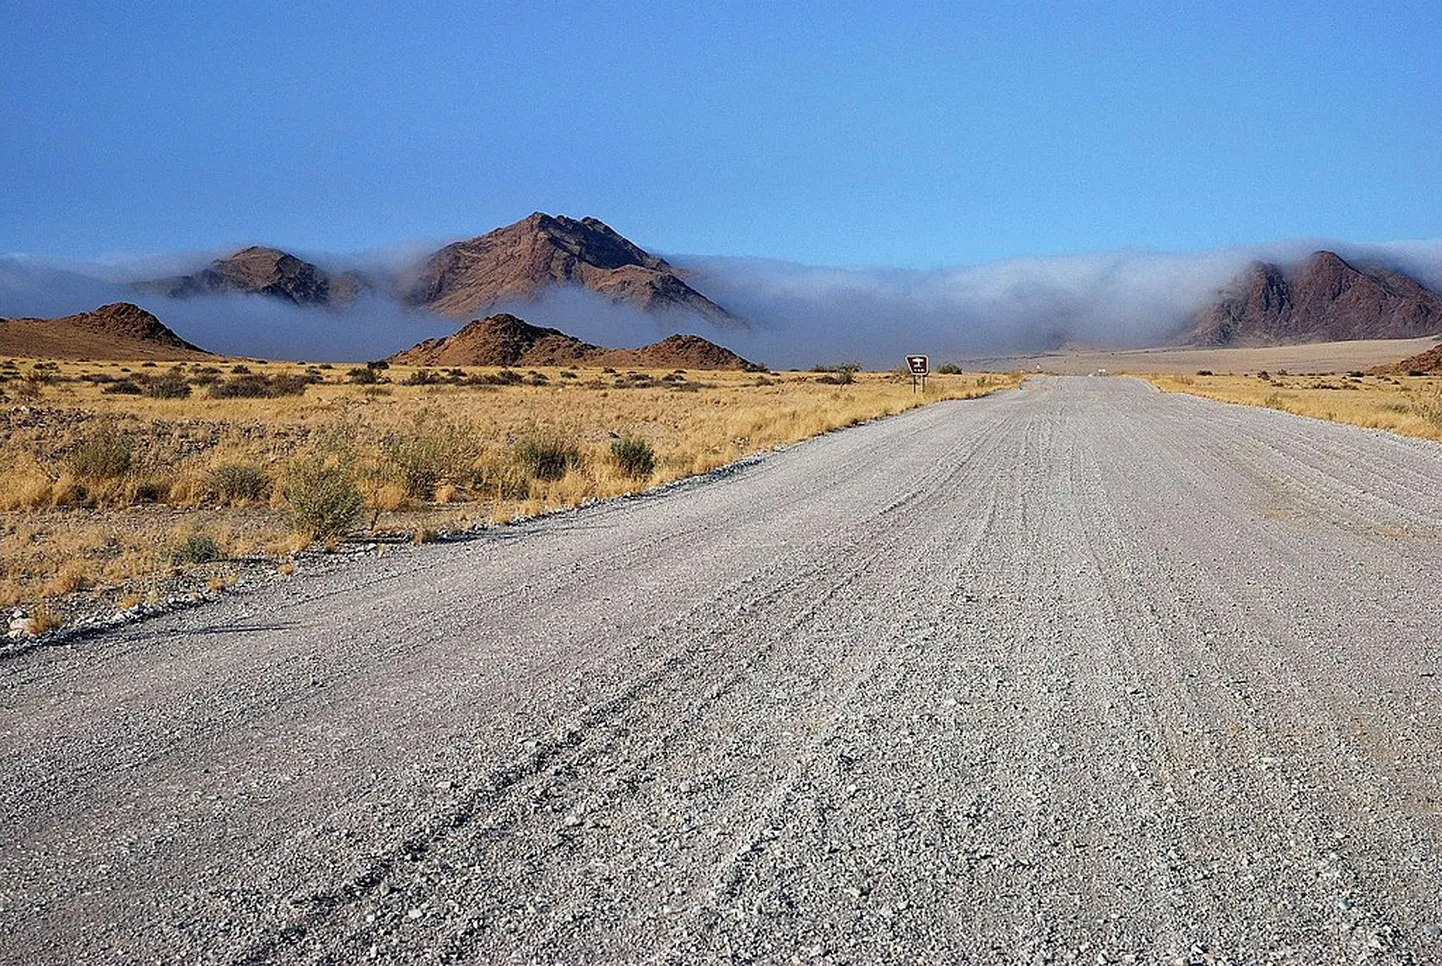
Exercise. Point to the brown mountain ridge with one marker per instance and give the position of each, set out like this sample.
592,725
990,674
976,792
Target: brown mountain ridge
520,261
119,331
1323,299
505,340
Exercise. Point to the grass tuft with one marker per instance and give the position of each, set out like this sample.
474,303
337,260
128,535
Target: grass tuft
633,456
546,454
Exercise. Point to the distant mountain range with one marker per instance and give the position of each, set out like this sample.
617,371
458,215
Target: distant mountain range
799,312
511,265
1323,299
504,340
125,331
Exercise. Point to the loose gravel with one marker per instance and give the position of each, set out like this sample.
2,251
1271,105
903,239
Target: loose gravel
1078,673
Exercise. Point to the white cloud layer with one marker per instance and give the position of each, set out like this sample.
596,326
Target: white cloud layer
798,314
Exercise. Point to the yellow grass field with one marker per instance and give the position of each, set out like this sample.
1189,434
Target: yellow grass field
108,489
1411,405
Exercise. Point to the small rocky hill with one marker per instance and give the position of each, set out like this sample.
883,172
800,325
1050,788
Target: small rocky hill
505,340
120,331
1429,362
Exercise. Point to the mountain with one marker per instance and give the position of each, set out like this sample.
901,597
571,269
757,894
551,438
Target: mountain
264,271
501,340
1321,300
676,352
504,340
518,262
120,331
1429,362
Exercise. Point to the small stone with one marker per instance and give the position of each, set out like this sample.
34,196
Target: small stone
414,914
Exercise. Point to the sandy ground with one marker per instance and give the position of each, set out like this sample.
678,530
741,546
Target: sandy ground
1314,357
1080,672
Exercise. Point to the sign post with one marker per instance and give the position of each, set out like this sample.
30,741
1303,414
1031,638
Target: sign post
920,368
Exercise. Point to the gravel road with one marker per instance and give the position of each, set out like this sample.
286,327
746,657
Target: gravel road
1077,673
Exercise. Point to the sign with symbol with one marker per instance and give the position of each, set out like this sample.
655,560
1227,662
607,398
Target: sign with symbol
919,365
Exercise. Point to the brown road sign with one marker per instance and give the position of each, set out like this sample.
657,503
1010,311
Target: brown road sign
919,365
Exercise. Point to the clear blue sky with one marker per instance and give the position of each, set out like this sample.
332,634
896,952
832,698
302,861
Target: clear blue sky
842,133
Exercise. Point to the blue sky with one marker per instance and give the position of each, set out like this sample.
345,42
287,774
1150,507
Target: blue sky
849,133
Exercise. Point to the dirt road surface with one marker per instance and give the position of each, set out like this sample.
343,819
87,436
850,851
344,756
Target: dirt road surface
1078,673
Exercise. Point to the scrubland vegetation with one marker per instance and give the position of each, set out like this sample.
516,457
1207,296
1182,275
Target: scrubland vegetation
1411,405
116,477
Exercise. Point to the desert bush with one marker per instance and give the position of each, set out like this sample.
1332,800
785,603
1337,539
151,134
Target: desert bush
949,369
546,454
105,453
1204,372
421,377
843,374
500,477
289,385
435,447
169,386
249,386
234,483
198,548
322,501
362,376
633,456
506,377
122,387
1430,410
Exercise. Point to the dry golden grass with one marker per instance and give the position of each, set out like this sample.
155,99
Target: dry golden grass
1411,405
97,490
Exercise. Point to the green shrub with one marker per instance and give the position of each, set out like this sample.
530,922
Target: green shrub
232,483
122,387
105,453
321,497
195,549
546,454
362,376
634,456
949,369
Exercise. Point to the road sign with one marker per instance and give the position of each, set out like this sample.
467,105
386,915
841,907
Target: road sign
919,366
